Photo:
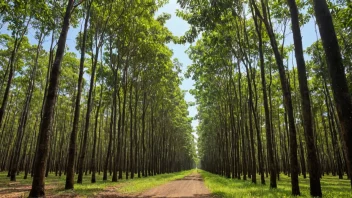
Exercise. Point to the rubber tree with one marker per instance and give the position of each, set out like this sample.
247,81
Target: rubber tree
38,184
313,162
337,75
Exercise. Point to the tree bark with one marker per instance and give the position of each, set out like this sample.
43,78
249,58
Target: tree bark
25,112
313,163
70,172
287,97
38,185
87,122
337,74
268,129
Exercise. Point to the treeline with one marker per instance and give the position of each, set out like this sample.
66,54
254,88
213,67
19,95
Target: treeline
117,110
261,111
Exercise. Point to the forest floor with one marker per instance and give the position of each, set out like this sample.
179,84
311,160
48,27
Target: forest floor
224,187
184,184
123,188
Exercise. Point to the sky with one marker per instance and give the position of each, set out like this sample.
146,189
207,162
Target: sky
178,27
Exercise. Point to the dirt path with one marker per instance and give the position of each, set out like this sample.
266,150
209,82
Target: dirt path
189,186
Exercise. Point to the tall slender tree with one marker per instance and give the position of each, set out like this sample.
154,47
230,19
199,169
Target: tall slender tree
38,184
337,75
313,162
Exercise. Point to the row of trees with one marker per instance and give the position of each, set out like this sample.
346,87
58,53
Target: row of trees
260,112
117,109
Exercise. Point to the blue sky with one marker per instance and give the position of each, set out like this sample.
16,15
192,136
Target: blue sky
178,27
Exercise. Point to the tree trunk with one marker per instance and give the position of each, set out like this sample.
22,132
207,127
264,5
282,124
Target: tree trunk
93,161
313,163
45,127
87,122
70,172
268,129
25,112
287,97
9,81
337,74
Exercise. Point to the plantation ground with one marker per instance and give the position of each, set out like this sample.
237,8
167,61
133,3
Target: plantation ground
181,184
223,187
55,185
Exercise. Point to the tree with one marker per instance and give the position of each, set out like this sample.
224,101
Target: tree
18,16
134,64
313,164
337,76
72,148
38,184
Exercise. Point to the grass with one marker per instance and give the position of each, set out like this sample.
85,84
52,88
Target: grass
218,185
224,187
55,185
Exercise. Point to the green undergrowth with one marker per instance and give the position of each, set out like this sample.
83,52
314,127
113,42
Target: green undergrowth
224,187
54,185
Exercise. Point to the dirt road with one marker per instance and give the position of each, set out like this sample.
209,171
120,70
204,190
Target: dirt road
189,186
